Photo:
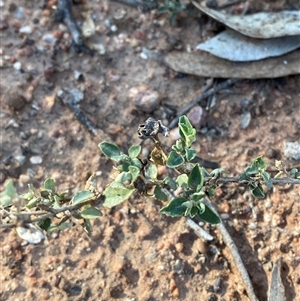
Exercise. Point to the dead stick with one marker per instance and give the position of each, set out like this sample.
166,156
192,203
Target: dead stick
200,98
142,5
235,256
80,116
64,14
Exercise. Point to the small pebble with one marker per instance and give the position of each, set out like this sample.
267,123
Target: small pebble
178,266
113,28
253,226
291,150
20,159
195,115
245,120
36,160
225,216
25,29
17,65
174,134
59,269
30,272
143,56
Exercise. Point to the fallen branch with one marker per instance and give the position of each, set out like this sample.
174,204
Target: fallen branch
80,116
235,256
142,5
64,14
202,97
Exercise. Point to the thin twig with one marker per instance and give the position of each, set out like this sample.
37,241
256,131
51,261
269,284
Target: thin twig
230,244
274,181
64,14
202,233
80,116
235,256
44,214
202,97
142,5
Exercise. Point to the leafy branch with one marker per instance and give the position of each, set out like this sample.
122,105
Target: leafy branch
50,210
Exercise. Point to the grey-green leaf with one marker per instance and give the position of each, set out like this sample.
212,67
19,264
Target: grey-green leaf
110,150
134,151
209,216
49,185
195,179
175,207
151,172
174,160
116,193
159,194
90,213
82,196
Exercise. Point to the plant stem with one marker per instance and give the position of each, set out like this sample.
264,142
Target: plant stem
44,214
274,181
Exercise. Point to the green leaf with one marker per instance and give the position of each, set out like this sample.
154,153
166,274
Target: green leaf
191,212
49,185
267,178
198,196
90,213
260,163
178,147
258,192
174,208
170,182
62,226
87,226
6,196
33,202
10,189
123,177
137,163
186,131
134,171
195,178
151,172
5,200
159,194
162,9
28,195
172,18
45,224
116,193
190,154
110,150
208,215
182,180
174,160
82,196
252,170
134,151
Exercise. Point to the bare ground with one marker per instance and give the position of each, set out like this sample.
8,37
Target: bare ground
134,253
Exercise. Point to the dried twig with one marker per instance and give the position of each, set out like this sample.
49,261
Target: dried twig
230,244
236,256
202,233
203,96
142,5
64,14
80,116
